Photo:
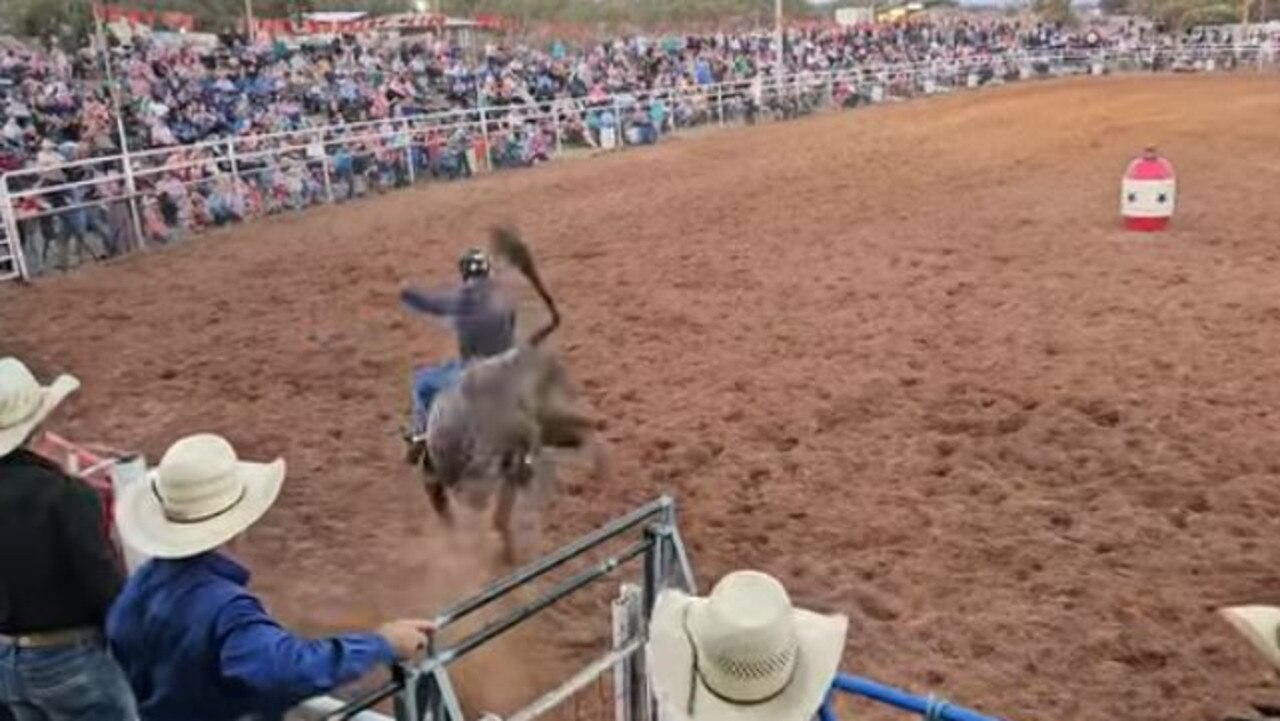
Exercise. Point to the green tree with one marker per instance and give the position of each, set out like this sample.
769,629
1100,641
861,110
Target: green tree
1058,11
1178,15
65,23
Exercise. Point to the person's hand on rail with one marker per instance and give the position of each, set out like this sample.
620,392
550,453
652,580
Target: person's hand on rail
408,636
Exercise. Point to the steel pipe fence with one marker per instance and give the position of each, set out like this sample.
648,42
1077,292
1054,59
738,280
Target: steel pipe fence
423,690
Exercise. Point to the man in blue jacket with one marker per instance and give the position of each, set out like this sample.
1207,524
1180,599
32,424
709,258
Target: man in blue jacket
482,317
194,642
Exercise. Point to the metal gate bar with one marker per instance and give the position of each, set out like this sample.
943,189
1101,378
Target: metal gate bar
579,681
422,690
496,628
549,563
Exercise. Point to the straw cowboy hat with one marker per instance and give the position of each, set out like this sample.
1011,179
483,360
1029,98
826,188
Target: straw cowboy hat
1259,624
743,653
24,403
200,497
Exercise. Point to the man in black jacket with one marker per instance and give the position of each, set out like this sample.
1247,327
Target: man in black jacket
58,572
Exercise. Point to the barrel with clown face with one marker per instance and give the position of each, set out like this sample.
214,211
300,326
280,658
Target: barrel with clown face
1148,193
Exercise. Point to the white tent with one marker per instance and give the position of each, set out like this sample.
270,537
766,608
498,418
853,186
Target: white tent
334,17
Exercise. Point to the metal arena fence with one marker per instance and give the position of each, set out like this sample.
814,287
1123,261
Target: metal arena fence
58,216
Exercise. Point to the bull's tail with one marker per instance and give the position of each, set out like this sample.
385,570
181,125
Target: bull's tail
508,244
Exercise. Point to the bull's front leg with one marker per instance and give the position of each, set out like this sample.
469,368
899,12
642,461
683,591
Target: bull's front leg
439,500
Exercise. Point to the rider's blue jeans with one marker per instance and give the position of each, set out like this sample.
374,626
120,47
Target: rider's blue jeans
427,382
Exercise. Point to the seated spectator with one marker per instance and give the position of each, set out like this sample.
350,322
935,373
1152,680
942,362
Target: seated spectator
742,653
195,644
58,572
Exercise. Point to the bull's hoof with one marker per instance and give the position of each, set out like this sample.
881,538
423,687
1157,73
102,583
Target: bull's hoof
518,468
508,555
415,452
524,469
440,502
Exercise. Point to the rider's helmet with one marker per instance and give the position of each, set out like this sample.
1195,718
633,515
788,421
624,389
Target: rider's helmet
474,264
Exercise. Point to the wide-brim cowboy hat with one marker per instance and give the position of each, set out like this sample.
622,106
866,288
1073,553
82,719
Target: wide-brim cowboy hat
1259,624
24,403
200,497
682,688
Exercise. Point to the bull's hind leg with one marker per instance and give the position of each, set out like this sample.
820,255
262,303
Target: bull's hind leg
601,468
502,519
563,427
552,378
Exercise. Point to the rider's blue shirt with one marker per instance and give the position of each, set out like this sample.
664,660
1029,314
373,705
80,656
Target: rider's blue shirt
482,317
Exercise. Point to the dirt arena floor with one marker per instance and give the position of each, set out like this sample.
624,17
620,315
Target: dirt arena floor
903,358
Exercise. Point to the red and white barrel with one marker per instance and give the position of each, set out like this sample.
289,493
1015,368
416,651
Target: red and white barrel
1148,193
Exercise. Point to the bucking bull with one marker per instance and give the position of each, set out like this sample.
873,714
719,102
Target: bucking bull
504,411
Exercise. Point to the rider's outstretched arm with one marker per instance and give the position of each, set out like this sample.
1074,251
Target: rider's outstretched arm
442,304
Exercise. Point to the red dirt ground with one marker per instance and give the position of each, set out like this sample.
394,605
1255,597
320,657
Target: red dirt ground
902,358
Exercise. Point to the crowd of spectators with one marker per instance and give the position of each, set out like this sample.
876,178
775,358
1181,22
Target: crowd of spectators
319,95
176,92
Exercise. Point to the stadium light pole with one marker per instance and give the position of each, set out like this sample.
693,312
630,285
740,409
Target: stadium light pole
248,20
101,33
123,137
777,38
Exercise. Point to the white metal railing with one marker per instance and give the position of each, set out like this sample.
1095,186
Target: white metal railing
147,195
10,246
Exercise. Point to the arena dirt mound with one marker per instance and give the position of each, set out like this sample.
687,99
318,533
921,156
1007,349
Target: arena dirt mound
902,358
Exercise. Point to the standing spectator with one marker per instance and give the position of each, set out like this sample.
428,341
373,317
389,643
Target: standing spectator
658,116
114,218
81,218
459,148
58,572
195,643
